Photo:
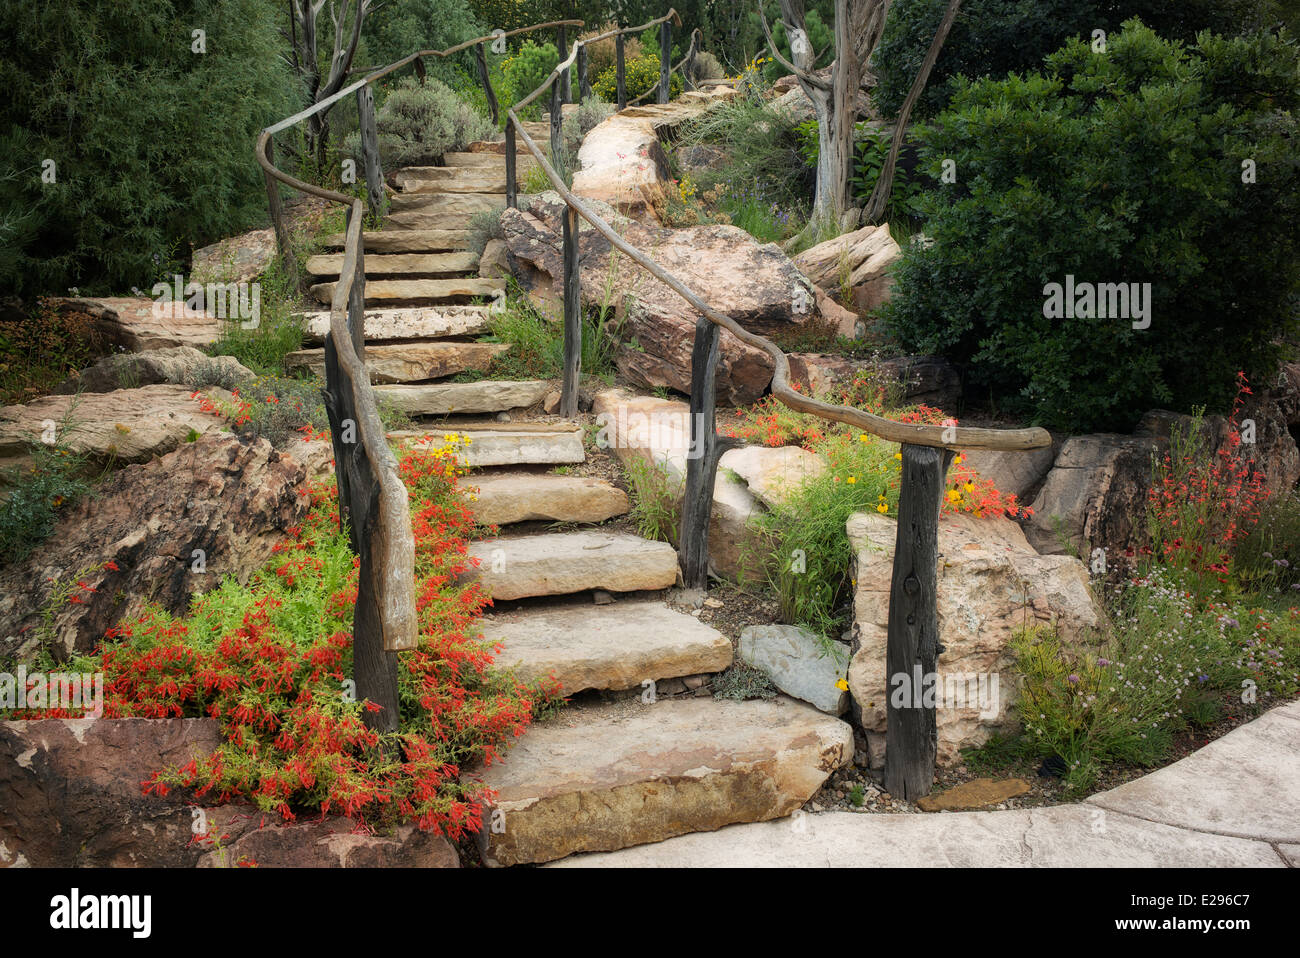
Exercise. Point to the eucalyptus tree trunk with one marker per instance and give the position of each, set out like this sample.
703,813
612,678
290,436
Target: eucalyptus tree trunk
878,205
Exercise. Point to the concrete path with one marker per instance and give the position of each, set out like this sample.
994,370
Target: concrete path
1234,803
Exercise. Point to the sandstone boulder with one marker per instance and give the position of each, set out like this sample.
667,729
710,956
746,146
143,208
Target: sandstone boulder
135,541
178,365
860,261
773,473
990,584
122,426
928,380
756,285
138,323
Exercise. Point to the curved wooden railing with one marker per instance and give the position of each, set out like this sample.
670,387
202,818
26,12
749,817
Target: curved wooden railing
371,491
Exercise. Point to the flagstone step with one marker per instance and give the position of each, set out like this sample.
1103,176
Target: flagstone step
561,563
451,179
444,204
618,646
443,399
408,241
505,498
488,160
504,446
393,264
378,290
605,778
409,322
407,362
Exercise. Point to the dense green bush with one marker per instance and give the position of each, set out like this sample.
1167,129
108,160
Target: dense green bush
394,29
152,142
525,71
1125,167
997,37
640,77
417,124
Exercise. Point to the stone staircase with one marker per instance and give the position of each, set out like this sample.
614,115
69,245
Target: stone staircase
423,290
642,752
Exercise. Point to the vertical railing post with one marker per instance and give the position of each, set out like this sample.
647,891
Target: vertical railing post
620,71
557,136
375,198
283,242
480,54
584,82
566,92
665,58
512,186
912,652
702,458
572,316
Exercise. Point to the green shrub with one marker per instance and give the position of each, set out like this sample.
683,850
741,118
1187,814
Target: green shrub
537,344
996,37
589,114
525,71
152,143
397,28
640,77
870,150
707,67
603,55
1269,555
417,124
820,38
51,483
654,508
1126,168
279,331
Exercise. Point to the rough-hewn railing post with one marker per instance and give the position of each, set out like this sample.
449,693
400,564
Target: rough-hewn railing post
572,317
665,58
912,653
557,136
480,54
512,186
584,82
375,198
706,449
566,92
283,242
419,70
620,72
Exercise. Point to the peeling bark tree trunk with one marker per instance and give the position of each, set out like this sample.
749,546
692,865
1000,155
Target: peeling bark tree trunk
878,206
305,14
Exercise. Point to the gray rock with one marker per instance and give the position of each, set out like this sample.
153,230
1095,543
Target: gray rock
180,365
798,664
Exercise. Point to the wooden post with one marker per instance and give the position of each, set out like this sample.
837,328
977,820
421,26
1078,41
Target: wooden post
584,82
375,198
566,92
706,449
912,653
620,71
480,54
688,68
419,70
512,186
373,668
283,242
665,58
557,136
572,316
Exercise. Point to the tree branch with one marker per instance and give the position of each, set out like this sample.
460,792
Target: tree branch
800,74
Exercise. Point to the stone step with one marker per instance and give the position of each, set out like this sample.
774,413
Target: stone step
444,399
407,362
394,264
488,160
444,204
378,290
408,241
603,778
504,498
451,179
504,446
409,322
562,563
498,147
618,646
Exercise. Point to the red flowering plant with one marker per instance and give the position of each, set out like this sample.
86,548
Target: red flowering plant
1202,503
272,661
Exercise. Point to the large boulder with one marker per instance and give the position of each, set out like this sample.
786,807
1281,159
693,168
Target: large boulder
138,323
122,426
138,539
178,365
755,285
73,799
861,262
991,583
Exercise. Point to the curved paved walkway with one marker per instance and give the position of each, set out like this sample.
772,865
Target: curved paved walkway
1234,803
